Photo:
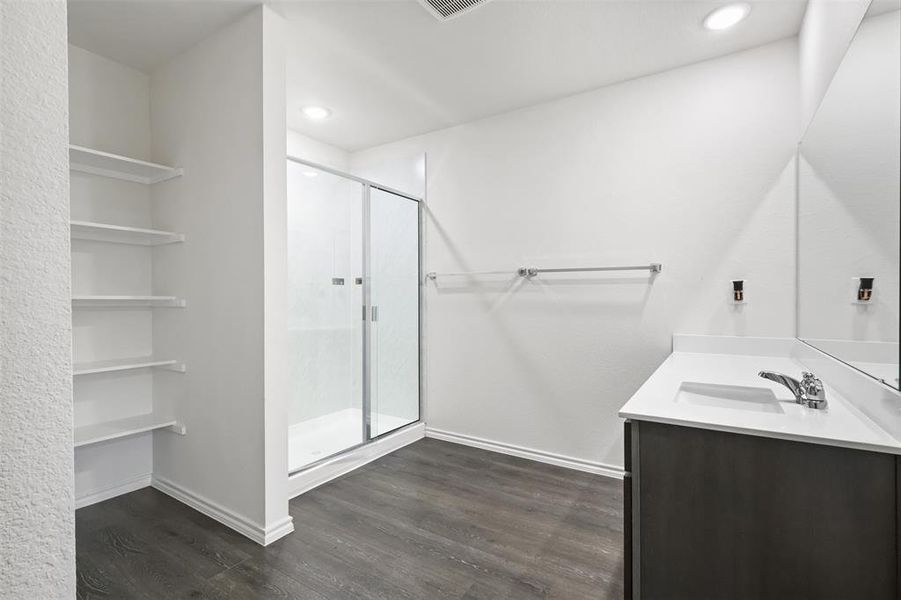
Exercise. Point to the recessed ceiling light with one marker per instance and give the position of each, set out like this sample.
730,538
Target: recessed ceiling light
726,16
316,113
310,173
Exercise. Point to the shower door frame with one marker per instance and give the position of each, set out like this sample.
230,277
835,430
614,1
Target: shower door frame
366,307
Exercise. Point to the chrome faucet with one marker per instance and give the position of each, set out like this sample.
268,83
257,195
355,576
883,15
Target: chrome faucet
808,391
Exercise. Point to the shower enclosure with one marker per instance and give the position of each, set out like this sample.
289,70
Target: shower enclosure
354,311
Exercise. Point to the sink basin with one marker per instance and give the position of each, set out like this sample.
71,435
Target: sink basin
735,397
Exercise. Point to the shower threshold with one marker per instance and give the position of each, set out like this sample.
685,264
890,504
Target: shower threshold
344,462
321,437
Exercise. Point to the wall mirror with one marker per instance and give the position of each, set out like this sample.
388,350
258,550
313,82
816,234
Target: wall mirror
848,205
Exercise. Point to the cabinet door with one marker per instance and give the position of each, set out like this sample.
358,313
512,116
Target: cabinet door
627,536
627,511
742,517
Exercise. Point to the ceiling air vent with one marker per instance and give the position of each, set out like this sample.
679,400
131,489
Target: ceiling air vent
445,10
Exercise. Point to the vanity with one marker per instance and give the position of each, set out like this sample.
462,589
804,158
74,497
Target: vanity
743,479
735,490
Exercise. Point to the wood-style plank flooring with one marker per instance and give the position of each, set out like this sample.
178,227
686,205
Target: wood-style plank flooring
431,521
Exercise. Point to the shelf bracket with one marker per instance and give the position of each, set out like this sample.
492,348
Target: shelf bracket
178,428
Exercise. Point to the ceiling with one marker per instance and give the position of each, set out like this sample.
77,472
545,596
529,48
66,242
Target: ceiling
880,7
144,34
388,69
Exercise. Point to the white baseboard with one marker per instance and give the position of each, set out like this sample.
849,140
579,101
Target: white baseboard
256,532
353,459
550,458
278,530
93,497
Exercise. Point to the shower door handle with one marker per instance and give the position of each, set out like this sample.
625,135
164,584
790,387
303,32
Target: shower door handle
374,314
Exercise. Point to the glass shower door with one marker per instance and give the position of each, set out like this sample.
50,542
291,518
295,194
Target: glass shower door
325,331
353,312
394,311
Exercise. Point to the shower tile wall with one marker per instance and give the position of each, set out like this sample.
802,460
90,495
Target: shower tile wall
325,328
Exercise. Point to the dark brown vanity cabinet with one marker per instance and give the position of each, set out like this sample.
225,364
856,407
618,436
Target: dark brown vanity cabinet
714,515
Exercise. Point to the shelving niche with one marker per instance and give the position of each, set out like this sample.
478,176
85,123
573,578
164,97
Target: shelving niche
105,164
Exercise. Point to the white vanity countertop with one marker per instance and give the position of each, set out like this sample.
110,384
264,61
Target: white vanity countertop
663,398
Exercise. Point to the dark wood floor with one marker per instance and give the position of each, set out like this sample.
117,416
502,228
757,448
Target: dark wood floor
431,521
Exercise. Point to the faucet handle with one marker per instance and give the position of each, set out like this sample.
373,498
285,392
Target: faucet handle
815,394
811,382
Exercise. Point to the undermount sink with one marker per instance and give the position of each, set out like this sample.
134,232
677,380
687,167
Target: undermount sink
736,397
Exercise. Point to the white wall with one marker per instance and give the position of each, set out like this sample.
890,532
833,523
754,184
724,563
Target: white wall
276,393
826,31
207,108
37,544
109,110
692,168
302,146
403,172
109,104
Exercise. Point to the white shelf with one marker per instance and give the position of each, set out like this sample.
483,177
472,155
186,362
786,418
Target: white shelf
101,232
96,162
126,301
126,364
111,430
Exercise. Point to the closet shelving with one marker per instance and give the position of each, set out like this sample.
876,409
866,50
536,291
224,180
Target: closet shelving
105,164
118,428
96,162
127,364
127,302
102,232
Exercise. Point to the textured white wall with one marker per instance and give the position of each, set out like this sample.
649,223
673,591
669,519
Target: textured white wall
37,543
826,31
692,168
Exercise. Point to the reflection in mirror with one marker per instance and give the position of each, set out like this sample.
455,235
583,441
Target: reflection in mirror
848,205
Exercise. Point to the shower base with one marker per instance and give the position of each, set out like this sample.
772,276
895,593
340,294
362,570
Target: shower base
323,436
